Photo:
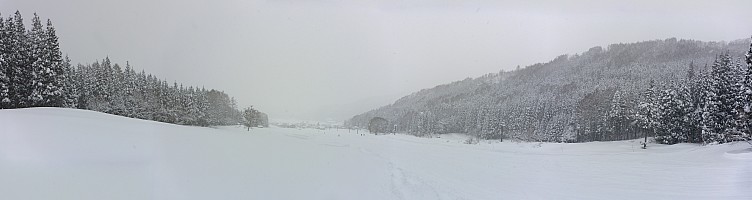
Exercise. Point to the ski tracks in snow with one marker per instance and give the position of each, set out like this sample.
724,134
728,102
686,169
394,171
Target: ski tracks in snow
405,185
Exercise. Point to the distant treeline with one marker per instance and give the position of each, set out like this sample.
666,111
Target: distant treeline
624,91
33,73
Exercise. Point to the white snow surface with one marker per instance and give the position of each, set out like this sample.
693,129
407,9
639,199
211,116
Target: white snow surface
54,153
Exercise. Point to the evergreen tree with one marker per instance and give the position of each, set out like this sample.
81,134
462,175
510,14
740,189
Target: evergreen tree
698,84
202,104
723,103
130,92
86,78
100,90
18,71
4,52
39,68
748,56
117,90
648,111
739,125
70,85
675,110
54,73
747,92
618,117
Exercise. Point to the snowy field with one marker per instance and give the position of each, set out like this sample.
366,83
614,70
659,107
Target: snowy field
52,153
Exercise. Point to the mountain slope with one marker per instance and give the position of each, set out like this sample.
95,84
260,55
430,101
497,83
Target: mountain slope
553,101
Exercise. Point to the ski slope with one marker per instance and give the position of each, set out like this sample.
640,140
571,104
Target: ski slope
54,153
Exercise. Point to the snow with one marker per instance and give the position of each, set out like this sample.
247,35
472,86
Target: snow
54,153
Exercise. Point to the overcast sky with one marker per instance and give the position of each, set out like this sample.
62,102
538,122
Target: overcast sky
333,59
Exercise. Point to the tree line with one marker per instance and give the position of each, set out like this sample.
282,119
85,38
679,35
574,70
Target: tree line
33,73
31,65
708,106
623,91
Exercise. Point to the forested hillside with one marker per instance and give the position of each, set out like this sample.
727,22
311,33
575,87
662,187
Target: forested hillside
613,93
33,73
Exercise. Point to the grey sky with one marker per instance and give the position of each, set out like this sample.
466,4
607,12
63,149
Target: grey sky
333,59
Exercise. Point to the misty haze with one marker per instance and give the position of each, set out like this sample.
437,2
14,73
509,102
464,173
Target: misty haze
335,99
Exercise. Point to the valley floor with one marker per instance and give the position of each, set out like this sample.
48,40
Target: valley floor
53,153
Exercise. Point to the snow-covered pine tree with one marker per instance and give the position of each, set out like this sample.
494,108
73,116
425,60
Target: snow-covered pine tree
18,71
712,129
175,104
70,85
4,80
55,70
162,96
738,125
686,109
144,110
190,106
674,112
720,117
234,115
618,116
100,92
145,100
666,114
117,90
186,114
698,85
109,84
136,103
747,92
41,74
87,77
128,88
748,56
648,111
148,90
160,92
202,104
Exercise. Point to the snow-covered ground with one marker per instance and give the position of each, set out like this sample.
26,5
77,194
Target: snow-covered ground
52,153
